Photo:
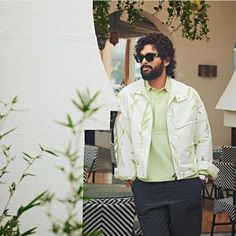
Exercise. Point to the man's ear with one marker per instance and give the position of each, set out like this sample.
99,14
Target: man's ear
166,63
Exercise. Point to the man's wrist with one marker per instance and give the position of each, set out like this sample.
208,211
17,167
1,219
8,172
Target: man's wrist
203,178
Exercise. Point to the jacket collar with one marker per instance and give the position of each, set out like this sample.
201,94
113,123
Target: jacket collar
177,90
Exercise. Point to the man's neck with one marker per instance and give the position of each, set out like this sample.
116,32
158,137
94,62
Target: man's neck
159,82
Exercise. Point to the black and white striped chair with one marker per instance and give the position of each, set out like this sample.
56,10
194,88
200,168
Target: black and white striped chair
138,232
228,154
224,154
90,159
137,228
110,216
224,203
209,188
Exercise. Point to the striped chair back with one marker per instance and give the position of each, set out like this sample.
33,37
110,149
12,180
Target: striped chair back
90,161
110,216
225,201
228,154
227,176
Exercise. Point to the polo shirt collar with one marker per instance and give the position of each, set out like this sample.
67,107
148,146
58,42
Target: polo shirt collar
167,86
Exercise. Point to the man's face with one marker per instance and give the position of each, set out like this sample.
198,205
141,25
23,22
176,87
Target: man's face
153,69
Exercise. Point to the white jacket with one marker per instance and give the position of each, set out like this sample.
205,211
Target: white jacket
188,131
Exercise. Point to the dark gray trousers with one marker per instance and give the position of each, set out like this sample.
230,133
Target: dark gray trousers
172,208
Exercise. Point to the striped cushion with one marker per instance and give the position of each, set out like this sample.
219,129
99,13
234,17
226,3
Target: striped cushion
228,154
113,217
138,232
90,156
225,205
226,181
227,176
219,205
90,160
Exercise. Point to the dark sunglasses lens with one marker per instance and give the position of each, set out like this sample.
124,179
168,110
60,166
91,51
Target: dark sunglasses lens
149,57
138,58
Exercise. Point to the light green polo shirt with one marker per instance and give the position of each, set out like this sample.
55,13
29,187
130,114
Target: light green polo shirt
160,163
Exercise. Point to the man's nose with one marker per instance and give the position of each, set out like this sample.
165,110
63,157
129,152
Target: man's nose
144,61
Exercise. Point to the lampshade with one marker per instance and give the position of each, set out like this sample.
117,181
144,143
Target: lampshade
114,38
101,40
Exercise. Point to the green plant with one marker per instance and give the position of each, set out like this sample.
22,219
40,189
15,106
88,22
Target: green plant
72,170
10,223
192,15
101,16
133,9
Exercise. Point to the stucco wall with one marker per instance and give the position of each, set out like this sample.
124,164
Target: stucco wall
217,51
48,49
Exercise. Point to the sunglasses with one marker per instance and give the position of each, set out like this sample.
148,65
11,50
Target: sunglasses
148,57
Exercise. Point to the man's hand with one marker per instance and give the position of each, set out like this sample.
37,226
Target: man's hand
128,182
203,178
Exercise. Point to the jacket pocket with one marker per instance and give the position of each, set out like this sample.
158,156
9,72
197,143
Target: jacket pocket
184,130
184,119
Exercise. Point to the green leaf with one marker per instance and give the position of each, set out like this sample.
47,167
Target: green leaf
61,168
5,212
29,232
35,202
77,105
12,188
27,160
55,228
47,197
42,149
51,152
14,100
26,174
27,155
61,123
7,132
70,121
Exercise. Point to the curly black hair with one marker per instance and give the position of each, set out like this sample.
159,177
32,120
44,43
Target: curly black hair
164,47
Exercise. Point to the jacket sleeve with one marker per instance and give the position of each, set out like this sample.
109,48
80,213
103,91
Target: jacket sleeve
203,142
122,142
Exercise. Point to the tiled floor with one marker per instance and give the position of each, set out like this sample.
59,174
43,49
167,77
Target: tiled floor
105,177
217,234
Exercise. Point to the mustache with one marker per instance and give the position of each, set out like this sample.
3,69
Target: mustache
145,66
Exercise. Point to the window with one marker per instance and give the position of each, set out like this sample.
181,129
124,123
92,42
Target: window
118,62
124,68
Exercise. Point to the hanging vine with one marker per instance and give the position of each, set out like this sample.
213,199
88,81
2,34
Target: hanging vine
191,16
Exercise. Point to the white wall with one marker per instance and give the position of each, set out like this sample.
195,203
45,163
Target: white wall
47,50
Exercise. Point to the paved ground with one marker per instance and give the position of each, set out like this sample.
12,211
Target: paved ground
217,234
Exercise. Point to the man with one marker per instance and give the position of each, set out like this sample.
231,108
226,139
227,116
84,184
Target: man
163,143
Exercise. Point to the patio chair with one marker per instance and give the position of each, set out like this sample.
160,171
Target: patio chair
225,154
228,154
225,203
90,159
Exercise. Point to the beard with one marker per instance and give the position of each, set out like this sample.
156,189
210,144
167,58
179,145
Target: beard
152,73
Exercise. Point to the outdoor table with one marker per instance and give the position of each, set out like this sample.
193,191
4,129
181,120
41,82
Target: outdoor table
107,191
110,209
